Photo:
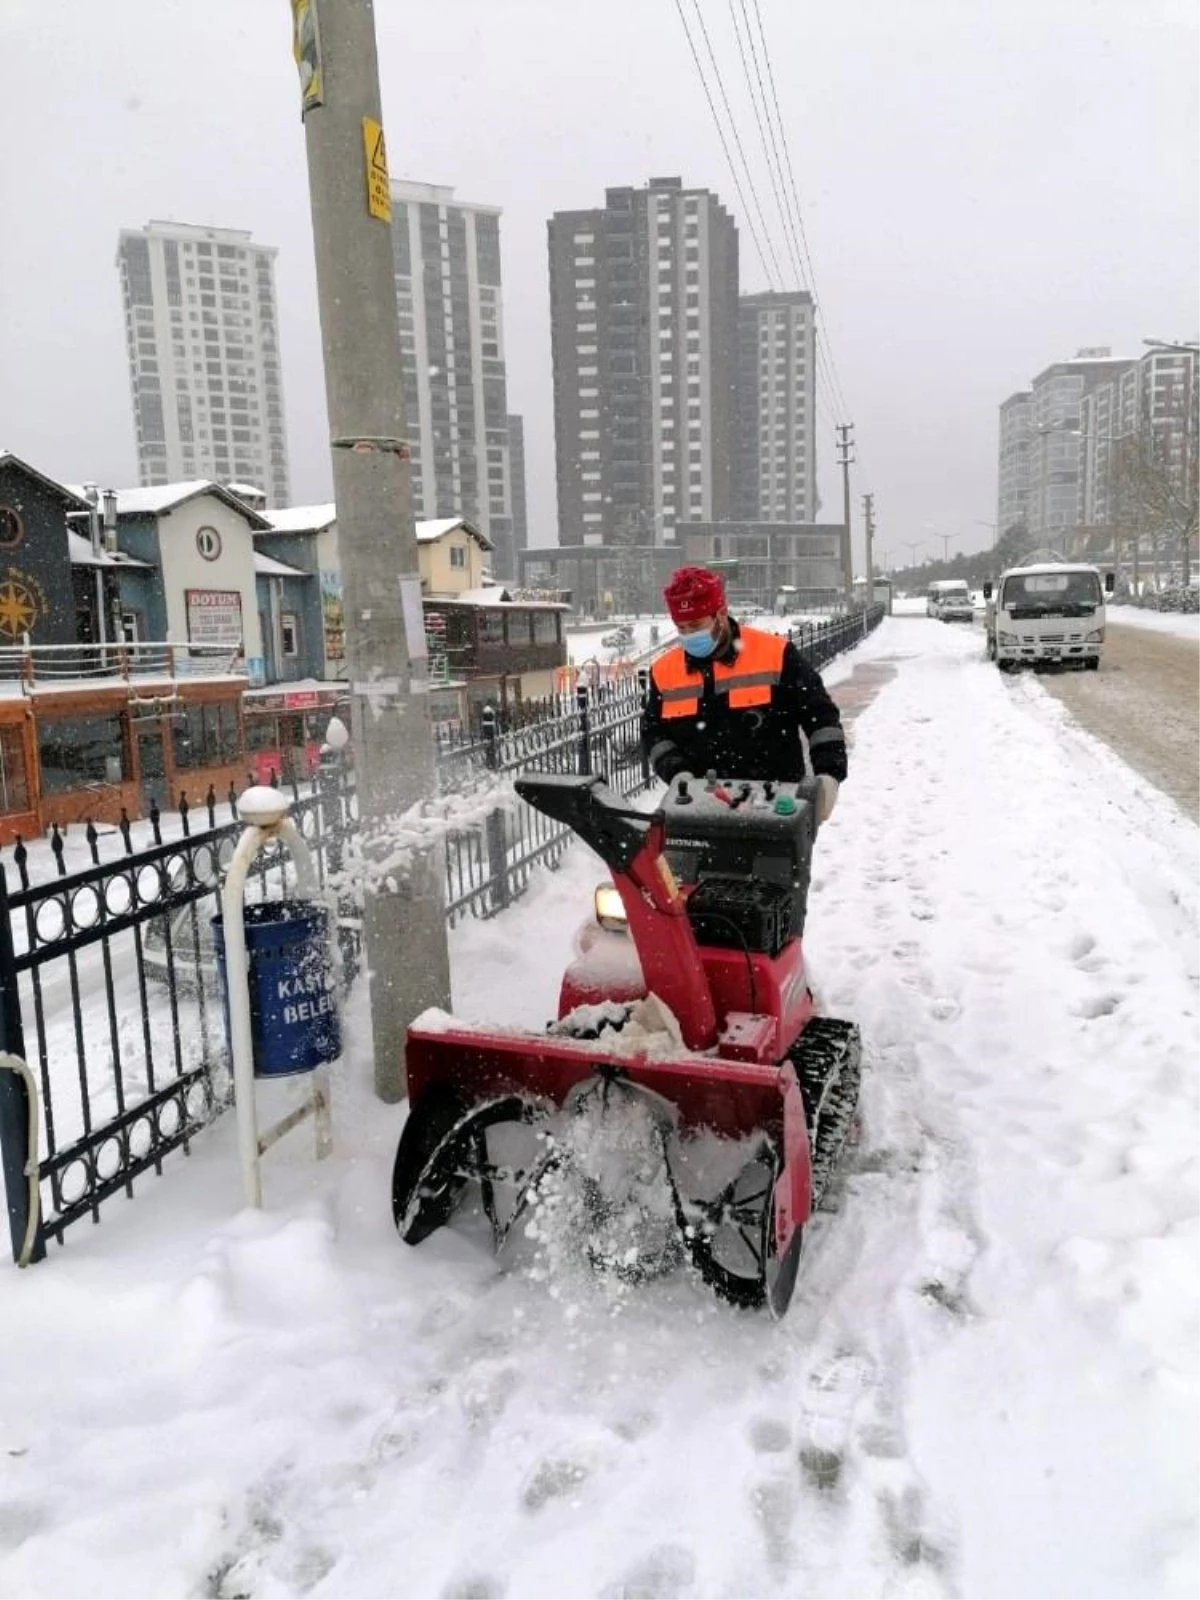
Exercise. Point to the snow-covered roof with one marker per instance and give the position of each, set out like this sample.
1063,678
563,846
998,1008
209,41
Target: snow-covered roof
268,567
438,527
160,499
82,555
494,595
67,491
301,519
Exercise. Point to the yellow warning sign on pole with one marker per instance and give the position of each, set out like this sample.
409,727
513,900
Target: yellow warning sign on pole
379,199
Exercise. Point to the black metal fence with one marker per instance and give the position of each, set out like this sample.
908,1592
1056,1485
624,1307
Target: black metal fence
108,980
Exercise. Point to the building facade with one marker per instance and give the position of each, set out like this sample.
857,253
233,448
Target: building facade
450,301
603,580
776,565
1142,424
1012,491
1056,399
202,336
644,295
516,463
775,466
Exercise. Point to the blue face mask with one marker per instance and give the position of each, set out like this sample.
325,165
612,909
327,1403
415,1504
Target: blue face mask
698,644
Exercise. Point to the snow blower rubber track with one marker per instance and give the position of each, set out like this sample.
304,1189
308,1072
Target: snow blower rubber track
828,1061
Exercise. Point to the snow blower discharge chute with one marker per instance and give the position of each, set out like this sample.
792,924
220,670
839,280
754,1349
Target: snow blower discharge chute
687,1105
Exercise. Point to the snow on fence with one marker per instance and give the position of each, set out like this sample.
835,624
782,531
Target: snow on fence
108,979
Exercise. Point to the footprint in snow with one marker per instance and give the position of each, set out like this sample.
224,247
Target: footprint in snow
475,1586
769,1436
1099,1005
552,1480
664,1573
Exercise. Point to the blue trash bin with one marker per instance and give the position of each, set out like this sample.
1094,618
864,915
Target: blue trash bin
294,1021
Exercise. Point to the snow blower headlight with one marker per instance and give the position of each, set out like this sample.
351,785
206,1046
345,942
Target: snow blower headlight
610,912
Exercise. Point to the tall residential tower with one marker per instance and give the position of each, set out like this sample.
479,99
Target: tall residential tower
203,340
775,476
452,351
644,307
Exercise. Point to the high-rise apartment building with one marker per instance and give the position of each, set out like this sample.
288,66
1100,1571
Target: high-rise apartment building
1012,493
450,300
1056,399
516,472
644,297
202,334
1141,423
775,468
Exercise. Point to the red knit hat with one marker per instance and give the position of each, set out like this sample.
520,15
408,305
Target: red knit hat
694,592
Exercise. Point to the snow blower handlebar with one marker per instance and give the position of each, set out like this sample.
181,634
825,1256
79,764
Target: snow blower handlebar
590,808
630,843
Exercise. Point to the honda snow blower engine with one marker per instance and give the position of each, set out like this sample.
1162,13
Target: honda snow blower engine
747,849
704,1029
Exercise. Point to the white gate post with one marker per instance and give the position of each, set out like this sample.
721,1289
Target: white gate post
265,813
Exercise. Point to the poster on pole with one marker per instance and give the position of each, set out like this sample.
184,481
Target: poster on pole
306,48
214,616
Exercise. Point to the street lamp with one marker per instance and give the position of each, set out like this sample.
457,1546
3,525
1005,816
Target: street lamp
913,545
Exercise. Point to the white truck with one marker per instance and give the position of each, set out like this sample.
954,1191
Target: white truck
1049,613
949,600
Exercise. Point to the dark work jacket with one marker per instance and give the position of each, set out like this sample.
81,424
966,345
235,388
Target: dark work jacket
750,742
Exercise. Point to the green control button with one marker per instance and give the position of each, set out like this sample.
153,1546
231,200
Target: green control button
785,806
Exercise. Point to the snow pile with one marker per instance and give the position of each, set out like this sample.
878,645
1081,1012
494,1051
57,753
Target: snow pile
1184,625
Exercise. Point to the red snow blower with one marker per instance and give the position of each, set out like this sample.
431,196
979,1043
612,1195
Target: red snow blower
687,1101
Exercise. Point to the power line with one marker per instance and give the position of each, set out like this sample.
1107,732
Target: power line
770,150
799,214
737,138
762,137
724,143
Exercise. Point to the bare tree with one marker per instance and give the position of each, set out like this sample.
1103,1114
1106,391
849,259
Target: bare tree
1155,482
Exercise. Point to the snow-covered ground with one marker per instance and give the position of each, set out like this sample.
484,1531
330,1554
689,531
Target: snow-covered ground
986,1385
590,646
1185,625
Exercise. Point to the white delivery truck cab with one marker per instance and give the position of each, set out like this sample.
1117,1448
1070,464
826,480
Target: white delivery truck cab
950,601
1050,613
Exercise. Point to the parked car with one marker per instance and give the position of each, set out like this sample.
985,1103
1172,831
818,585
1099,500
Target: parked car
620,639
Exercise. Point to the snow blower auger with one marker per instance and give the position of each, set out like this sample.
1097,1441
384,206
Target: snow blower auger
687,1102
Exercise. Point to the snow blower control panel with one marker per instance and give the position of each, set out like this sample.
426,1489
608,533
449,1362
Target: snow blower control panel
743,841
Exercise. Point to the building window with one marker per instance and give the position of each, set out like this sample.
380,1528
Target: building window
458,556
289,635
545,627
12,529
491,627
82,753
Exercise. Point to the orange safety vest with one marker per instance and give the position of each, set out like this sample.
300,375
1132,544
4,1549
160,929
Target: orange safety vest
748,679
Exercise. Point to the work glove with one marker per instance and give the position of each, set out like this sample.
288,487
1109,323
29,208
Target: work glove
827,793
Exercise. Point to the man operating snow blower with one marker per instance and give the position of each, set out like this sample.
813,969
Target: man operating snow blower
734,700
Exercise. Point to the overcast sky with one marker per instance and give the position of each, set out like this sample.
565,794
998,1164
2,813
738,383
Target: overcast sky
987,185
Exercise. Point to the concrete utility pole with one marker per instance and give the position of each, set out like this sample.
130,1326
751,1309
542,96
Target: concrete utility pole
845,445
869,525
404,920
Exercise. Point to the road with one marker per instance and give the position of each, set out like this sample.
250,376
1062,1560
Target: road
1144,703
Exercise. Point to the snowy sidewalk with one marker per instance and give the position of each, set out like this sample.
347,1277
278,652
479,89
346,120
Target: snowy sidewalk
986,1385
